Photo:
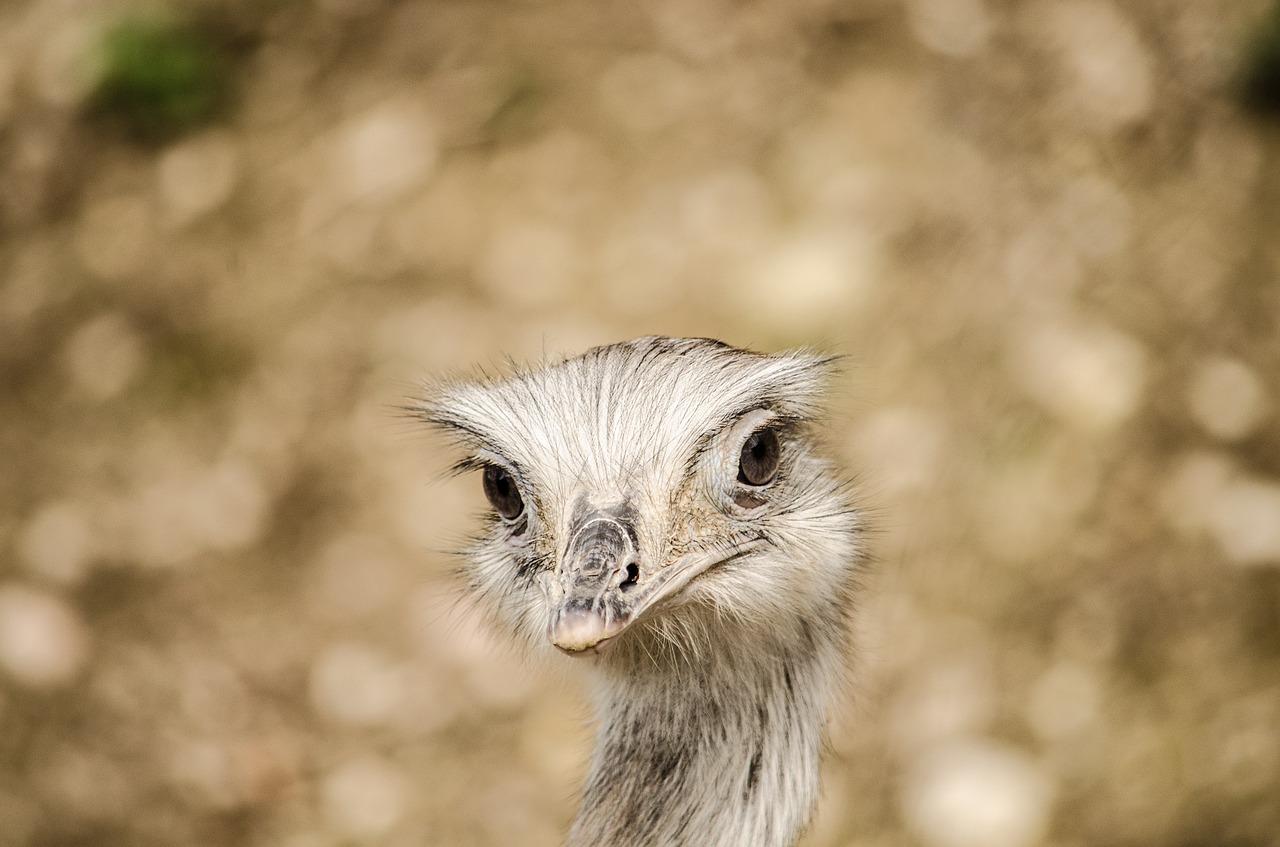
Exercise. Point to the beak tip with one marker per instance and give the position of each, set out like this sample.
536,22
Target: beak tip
579,632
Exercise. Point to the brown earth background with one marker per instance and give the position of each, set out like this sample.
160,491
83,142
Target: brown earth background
1044,233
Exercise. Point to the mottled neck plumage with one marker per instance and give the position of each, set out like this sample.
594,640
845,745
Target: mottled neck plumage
721,753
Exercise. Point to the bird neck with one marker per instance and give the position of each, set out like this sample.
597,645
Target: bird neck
720,751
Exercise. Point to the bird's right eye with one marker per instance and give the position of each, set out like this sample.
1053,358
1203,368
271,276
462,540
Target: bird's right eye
503,494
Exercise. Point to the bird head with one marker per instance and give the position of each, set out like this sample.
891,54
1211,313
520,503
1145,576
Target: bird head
645,494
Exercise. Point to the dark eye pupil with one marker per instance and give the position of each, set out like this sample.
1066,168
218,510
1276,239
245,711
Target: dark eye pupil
502,492
759,462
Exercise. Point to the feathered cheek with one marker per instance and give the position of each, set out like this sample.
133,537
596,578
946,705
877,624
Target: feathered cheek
695,527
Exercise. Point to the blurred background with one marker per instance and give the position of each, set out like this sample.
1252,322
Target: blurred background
234,234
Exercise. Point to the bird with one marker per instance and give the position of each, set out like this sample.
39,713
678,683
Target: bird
663,509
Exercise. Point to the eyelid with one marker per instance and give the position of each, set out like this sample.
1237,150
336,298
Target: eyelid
761,417
781,424
484,457
470,463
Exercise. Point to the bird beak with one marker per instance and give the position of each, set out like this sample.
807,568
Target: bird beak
589,592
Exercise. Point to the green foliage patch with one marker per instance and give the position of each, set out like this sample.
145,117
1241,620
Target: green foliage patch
1260,72
161,79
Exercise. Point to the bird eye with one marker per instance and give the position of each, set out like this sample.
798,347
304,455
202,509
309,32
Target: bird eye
758,464
502,492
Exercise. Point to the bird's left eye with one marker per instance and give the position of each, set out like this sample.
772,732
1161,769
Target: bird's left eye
503,493
758,464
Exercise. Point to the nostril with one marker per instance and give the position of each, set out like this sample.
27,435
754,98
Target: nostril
632,578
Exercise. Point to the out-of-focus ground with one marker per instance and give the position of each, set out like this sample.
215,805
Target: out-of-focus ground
1044,231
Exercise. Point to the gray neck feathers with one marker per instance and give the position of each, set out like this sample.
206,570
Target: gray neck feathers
719,750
